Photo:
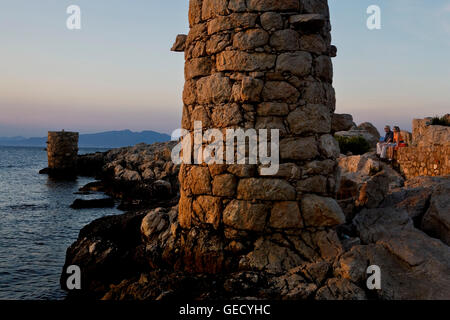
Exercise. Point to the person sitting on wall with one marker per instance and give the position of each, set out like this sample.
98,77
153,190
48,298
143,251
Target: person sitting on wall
397,143
382,146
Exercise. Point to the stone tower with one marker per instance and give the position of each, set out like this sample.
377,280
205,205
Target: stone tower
262,64
62,153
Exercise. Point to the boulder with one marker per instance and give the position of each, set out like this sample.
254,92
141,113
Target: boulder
436,221
416,265
364,182
370,128
342,122
155,221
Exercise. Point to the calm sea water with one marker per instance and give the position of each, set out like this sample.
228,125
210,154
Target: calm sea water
36,224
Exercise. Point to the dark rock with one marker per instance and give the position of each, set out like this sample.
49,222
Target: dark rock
414,265
44,171
105,252
96,186
95,203
90,165
60,174
436,221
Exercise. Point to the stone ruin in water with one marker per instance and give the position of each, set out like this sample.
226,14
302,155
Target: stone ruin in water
62,153
261,64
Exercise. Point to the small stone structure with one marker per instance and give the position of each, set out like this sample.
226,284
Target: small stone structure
261,64
429,153
62,152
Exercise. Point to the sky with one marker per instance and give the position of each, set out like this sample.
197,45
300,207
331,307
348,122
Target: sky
117,72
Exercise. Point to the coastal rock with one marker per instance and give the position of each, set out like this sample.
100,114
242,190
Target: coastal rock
436,221
137,175
95,203
417,263
364,182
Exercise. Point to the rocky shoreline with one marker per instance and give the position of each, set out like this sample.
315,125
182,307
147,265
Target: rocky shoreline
401,226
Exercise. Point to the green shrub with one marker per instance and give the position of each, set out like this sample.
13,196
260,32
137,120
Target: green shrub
443,121
355,145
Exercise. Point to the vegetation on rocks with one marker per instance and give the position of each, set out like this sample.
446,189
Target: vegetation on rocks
441,121
356,145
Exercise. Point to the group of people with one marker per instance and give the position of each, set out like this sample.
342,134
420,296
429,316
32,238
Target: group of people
390,143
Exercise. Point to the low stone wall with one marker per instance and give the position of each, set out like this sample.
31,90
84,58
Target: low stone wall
424,161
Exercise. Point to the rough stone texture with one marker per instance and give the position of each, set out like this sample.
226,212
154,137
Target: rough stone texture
180,43
425,134
428,154
62,152
436,220
141,176
364,182
342,122
418,265
424,161
259,64
321,212
272,251
243,215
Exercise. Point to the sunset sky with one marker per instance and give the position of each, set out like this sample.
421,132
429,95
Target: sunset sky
118,73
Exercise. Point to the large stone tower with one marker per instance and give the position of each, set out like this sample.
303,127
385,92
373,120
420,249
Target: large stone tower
262,64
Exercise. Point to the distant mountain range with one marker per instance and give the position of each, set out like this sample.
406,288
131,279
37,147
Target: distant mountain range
110,139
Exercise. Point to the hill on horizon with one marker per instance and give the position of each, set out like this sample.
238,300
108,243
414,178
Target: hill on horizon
109,139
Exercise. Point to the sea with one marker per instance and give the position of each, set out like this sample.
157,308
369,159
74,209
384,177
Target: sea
37,224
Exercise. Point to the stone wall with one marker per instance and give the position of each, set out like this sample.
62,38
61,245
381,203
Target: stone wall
62,151
429,151
431,135
424,161
419,126
261,64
